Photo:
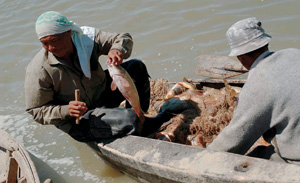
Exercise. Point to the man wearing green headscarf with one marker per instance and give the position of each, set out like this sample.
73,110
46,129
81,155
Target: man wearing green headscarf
69,61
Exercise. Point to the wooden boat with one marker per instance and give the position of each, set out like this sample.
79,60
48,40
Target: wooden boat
15,162
151,160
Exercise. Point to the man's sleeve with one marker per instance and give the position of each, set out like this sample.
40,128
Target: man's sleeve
39,98
106,41
250,121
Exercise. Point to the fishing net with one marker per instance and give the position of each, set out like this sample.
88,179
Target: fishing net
208,115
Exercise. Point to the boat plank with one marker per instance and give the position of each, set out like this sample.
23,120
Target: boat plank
150,160
12,170
16,156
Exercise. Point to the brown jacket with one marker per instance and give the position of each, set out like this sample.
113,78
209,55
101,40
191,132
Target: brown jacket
50,82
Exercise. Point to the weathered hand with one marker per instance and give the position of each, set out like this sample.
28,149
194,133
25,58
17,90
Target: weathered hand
115,57
77,108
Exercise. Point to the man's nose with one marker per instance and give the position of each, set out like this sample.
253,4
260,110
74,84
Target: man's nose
51,48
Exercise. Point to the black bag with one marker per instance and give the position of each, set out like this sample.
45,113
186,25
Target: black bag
107,123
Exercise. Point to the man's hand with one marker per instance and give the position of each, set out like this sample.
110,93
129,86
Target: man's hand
77,108
115,57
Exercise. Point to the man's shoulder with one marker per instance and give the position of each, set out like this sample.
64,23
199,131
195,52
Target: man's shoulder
288,51
39,58
281,56
277,64
37,64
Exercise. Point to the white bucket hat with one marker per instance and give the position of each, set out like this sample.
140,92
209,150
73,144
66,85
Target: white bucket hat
245,36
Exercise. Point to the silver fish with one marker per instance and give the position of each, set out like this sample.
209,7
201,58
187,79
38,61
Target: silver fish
180,87
123,81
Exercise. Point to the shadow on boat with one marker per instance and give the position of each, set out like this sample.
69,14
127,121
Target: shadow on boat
45,171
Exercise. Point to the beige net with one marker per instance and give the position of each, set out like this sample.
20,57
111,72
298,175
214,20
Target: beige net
211,110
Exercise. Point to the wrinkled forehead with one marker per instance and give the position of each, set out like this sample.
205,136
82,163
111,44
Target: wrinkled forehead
54,36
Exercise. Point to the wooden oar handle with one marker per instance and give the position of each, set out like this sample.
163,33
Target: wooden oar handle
77,98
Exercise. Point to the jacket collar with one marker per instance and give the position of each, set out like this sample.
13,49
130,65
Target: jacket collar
52,60
257,61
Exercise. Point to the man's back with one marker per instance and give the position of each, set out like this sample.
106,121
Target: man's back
269,99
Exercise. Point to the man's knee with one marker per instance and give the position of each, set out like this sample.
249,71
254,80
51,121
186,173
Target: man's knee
137,69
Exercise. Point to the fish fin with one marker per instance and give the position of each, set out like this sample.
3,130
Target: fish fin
185,80
227,86
113,86
232,93
125,83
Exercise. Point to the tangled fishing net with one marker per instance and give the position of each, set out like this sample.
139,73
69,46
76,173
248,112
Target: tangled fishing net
210,112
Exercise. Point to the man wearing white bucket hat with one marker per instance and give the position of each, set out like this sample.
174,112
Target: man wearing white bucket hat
269,102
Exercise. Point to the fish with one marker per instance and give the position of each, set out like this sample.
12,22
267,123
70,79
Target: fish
175,90
180,87
165,136
122,80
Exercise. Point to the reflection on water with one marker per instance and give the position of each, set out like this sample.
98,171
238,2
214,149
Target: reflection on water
108,171
168,35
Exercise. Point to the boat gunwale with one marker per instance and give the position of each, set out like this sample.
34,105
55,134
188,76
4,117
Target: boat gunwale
120,154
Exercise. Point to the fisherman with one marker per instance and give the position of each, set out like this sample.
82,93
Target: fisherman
269,102
69,61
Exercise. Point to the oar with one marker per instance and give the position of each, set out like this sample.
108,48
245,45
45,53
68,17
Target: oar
219,67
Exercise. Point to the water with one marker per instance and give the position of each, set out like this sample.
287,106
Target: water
168,35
